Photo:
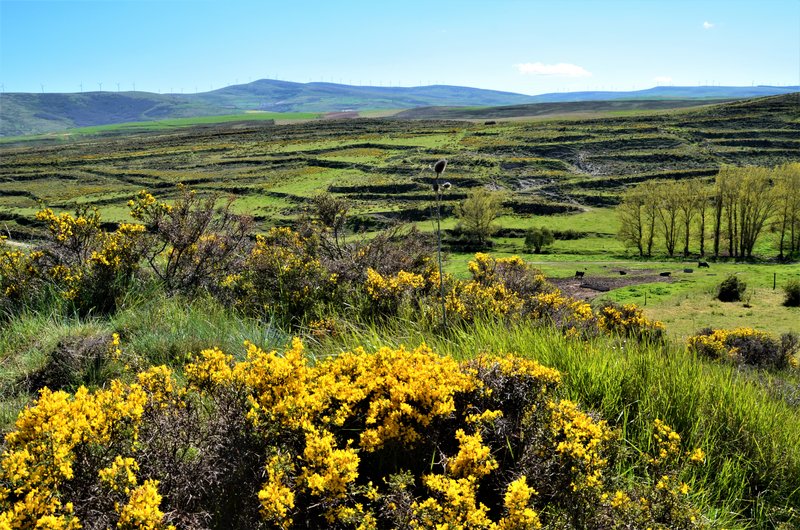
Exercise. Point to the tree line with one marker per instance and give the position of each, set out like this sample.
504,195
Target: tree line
732,212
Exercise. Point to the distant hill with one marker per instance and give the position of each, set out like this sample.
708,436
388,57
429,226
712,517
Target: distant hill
550,109
25,113
671,92
32,113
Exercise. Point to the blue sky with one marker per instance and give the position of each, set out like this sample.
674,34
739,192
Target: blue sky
526,46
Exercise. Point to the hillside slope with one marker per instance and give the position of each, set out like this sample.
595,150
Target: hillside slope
550,109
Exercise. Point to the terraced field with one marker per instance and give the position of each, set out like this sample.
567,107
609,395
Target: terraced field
547,167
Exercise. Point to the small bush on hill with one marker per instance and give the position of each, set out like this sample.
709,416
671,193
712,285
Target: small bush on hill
731,289
536,238
792,290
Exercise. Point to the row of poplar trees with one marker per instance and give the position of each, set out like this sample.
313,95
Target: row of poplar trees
730,213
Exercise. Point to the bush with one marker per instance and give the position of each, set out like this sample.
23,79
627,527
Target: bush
282,276
392,439
745,346
87,265
731,289
792,290
191,244
536,238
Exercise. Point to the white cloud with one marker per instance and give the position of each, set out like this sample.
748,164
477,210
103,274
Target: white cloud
707,25
560,69
663,79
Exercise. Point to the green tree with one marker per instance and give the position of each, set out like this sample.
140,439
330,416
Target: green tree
632,219
787,189
669,203
477,213
536,238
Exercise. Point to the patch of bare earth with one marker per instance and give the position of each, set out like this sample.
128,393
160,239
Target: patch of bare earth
589,287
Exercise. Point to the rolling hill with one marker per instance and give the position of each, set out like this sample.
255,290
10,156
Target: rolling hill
550,109
31,113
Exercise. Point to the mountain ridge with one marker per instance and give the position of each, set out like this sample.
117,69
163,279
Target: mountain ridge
33,113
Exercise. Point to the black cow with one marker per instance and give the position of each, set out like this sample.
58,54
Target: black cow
703,264
688,271
579,274
665,274
622,273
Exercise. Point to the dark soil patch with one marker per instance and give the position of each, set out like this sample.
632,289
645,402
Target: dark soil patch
589,287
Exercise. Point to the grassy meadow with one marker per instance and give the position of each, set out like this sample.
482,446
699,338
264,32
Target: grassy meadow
324,445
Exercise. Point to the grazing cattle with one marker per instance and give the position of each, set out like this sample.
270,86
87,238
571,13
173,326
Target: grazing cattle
622,273
688,271
579,274
701,264
490,122
665,274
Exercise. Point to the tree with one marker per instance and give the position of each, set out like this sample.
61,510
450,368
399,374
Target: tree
703,196
537,238
637,213
689,192
669,202
477,213
757,200
632,223
787,189
745,200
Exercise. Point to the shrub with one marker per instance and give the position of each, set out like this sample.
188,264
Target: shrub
792,290
536,238
392,439
629,321
20,281
511,272
282,276
745,346
191,244
89,266
731,289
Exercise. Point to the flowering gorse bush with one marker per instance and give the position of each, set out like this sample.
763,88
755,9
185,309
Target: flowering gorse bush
84,263
503,288
745,346
191,243
397,438
18,276
629,321
282,274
